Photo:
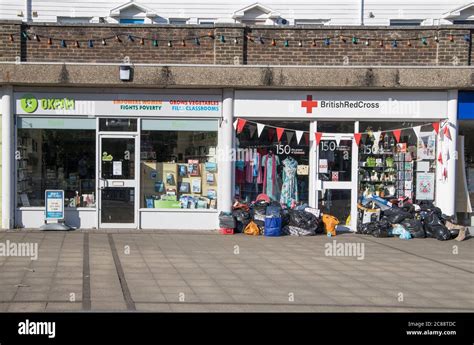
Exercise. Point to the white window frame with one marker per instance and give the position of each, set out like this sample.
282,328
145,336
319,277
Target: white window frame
178,21
207,21
306,22
405,22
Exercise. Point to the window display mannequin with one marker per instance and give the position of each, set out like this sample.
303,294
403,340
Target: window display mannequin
289,189
270,162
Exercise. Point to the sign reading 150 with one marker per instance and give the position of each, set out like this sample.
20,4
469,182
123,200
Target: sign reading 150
283,149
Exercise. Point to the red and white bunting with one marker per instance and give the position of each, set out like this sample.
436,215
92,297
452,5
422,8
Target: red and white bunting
260,128
318,136
397,133
279,133
240,125
299,135
417,130
357,137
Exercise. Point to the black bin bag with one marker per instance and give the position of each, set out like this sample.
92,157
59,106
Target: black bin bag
414,227
396,215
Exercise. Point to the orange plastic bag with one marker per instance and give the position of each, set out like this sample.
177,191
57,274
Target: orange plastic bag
252,229
330,223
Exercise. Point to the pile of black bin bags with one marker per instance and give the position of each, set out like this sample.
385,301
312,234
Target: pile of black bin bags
426,221
272,219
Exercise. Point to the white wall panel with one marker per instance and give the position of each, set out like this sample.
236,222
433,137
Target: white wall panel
341,12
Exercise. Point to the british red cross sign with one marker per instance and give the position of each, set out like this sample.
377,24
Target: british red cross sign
309,104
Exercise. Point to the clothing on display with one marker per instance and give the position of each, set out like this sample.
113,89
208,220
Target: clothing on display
270,162
289,190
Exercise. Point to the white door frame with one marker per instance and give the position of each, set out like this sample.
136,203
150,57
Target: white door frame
103,183
341,185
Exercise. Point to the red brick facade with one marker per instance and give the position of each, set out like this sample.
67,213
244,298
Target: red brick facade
443,46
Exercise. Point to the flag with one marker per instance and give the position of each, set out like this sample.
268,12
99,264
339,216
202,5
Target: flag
357,137
318,136
447,132
376,136
417,130
337,137
260,128
279,132
289,136
396,134
299,135
240,125
271,134
436,127
252,130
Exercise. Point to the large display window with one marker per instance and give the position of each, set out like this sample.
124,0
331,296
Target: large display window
394,170
178,163
267,165
56,153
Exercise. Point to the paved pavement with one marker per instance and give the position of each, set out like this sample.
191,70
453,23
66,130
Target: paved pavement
172,271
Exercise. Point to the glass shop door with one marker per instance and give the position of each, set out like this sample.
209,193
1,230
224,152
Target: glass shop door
117,181
336,181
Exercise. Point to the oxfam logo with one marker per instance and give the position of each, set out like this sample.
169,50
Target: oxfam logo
29,103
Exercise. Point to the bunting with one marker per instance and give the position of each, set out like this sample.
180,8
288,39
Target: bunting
279,132
417,130
357,137
252,130
397,133
260,128
318,136
239,125
299,135
447,132
271,134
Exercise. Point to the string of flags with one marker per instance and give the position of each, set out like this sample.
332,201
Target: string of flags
441,128
240,124
326,40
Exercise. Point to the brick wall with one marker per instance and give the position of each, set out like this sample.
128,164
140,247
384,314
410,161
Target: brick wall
9,49
373,47
239,45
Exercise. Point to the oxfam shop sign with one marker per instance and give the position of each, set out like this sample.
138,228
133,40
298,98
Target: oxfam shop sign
29,103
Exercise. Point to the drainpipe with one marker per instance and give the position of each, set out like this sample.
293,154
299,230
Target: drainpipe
7,157
361,12
28,11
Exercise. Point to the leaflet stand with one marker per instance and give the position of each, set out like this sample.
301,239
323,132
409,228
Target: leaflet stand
54,211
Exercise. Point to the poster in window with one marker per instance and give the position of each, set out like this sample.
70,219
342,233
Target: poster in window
426,147
117,168
196,186
425,183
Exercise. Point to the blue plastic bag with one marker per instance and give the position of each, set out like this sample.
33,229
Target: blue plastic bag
272,226
403,233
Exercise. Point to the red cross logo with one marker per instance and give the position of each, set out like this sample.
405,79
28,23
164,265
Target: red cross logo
309,104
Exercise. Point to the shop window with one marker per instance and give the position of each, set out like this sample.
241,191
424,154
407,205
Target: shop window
179,164
397,170
265,165
56,153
